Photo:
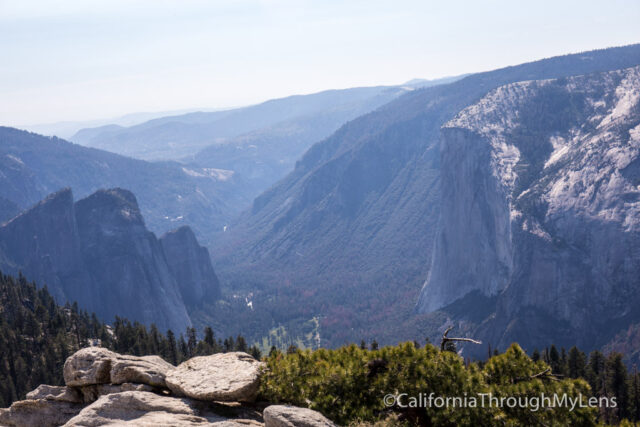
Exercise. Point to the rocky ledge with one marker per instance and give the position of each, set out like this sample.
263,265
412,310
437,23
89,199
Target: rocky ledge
104,388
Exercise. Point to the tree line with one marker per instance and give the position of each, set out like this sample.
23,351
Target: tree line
37,336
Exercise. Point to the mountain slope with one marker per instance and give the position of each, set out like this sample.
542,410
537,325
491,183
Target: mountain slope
540,190
264,156
99,253
348,235
33,166
258,144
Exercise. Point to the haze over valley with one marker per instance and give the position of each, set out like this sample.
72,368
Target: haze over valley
314,233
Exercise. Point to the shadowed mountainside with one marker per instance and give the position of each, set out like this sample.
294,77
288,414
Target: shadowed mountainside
347,237
98,252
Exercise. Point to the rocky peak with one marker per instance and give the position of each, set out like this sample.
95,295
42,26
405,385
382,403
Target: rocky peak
115,206
99,253
55,206
126,261
190,264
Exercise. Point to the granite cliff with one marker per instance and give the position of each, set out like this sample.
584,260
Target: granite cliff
98,252
540,203
192,264
348,236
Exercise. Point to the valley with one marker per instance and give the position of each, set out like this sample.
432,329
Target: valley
341,237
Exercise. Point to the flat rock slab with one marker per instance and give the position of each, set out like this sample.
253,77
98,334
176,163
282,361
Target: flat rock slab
149,370
40,412
140,408
91,393
292,416
54,392
225,377
97,365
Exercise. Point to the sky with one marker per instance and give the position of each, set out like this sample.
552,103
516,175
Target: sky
80,60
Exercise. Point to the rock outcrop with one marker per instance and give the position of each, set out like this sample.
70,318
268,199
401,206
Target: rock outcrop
94,396
291,416
99,253
150,370
88,366
541,210
219,377
39,412
95,393
97,365
57,393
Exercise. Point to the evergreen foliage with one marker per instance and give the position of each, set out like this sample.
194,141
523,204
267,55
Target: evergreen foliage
349,384
346,384
37,336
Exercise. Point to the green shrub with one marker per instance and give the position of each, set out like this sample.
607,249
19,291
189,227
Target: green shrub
349,384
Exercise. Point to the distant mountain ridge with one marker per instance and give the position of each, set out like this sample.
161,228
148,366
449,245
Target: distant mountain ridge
98,252
66,129
170,195
176,136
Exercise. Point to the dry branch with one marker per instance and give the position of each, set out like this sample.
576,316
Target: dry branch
446,339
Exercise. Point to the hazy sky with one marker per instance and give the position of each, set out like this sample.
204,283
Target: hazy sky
78,60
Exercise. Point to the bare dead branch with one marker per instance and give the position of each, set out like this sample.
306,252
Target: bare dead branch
544,375
539,374
446,339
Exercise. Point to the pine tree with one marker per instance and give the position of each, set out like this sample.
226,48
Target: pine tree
617,384
173,348
183,350
554,359
634,406
535,356
192,342
241,344
209,337
577,364
563,368
255,352
229,344
273,351
595,372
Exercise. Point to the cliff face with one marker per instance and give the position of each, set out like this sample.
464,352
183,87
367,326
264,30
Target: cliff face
190,264
8,209
44,242
541,208
127,262
99,253
473,249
